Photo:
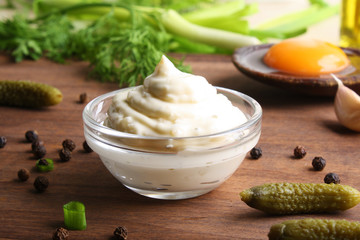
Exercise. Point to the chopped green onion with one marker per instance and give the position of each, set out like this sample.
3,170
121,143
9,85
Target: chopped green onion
74,215
41,167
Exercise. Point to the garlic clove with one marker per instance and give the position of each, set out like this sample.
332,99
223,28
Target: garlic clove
347,106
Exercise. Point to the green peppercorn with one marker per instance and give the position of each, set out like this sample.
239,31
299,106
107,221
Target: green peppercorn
332,178
3,141
256,153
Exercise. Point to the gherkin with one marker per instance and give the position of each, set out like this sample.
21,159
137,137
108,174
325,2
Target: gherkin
294,198
28,94
315,229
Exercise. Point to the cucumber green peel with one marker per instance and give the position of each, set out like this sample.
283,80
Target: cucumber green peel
294,198
314,229
28,94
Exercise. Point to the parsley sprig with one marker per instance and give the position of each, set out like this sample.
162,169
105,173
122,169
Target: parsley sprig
118,51
26,40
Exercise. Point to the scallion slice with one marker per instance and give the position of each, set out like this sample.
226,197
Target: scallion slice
74,215
41,167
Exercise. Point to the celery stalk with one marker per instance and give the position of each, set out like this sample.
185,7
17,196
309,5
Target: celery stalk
288,18
79,9
173,22
226,16
238,26
294,24
214,12
177,25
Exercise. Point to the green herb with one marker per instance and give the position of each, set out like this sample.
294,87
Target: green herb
23,40
124,40
123,51
122,54
74,215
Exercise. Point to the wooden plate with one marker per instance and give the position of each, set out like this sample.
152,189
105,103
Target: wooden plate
249,61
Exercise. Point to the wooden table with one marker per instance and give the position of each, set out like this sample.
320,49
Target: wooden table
288,120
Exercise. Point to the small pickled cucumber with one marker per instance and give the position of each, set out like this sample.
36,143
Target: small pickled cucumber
28,94
317,229
293,198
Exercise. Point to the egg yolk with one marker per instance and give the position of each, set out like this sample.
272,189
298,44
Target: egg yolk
306,57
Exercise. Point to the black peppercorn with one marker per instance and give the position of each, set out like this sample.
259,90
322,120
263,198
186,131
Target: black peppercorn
120,233
332,178
35,144
86,147
41,183
23,174
299,152
318,163
39,151
256,153
3,141
69,144
61,234
31,135
65,155
43,162
82,98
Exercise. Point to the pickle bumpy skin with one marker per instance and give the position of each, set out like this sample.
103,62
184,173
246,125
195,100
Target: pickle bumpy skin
28,94
293,198
317,229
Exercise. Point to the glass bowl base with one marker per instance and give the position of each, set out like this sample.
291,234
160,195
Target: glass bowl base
169,195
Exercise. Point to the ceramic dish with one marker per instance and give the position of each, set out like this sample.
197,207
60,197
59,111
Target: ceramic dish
249,61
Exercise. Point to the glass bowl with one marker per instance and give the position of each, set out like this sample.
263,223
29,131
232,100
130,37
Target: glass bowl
172,167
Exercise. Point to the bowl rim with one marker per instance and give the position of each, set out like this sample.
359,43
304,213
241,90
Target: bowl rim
91,122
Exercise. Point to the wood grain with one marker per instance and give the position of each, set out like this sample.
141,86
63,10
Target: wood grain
288,120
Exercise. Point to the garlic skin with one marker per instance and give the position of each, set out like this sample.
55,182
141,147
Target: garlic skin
347,106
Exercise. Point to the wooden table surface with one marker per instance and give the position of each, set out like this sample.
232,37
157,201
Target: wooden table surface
288,120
